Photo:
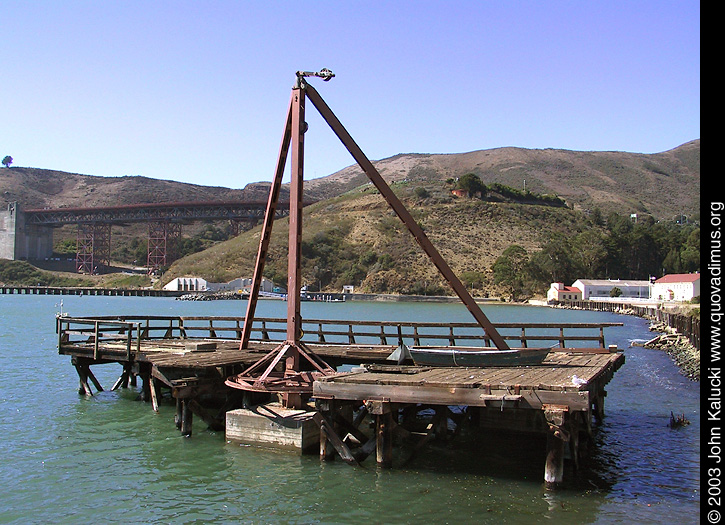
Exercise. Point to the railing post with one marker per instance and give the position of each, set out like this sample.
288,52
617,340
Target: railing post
170,330
129,337
95,340
524,343
138,337
59,330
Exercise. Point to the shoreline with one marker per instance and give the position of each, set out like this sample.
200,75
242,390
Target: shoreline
677,345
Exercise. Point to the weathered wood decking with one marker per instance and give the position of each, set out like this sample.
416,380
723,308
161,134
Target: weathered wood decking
189,358
573,379
558,398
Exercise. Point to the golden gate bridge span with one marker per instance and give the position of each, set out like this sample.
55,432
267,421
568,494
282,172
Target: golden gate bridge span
164,221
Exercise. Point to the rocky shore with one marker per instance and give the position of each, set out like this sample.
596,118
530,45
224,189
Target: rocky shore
678,347
211,296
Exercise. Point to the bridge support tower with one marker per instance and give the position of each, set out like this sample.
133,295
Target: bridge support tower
93,247
164,237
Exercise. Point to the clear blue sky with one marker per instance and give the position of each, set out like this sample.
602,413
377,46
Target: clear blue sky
197,91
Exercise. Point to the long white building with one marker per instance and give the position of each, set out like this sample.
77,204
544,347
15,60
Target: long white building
598,289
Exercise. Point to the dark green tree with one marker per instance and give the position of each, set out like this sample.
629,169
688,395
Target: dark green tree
589,252
509,270
471,183
7,161
554,263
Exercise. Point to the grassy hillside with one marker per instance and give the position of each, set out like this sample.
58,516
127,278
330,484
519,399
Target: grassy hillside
357,239
661,184
22,273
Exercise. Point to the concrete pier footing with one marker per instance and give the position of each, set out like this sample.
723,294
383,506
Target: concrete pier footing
275,426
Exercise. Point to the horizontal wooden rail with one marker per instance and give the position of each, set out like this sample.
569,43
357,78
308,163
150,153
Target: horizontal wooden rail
98,331
134,329
686,325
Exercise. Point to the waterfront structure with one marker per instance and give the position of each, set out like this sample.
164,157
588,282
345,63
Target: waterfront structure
677,287
186,360
197,284
602,289
187,284
561,292
244,285
20,239
556,398
28,233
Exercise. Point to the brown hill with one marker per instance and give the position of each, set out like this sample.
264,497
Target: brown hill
661,184
40,188
351,236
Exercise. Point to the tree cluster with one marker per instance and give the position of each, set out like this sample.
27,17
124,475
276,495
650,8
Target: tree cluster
615,248
472,184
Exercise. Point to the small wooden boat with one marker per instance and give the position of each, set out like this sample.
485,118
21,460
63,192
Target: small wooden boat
472,356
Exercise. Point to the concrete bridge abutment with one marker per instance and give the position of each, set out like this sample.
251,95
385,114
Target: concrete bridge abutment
19,240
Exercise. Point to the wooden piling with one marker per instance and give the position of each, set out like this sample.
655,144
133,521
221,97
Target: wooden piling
554,467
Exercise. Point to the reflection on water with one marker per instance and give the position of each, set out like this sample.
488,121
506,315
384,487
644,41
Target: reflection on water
112,458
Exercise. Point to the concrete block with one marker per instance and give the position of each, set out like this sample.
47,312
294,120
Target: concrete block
273,425
200,346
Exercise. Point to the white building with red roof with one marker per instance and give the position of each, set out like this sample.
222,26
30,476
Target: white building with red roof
561,292
676,287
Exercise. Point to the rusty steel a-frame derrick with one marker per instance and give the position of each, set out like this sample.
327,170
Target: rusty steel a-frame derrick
301,365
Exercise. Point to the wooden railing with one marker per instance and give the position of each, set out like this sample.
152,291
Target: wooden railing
133,329
98,331
684,324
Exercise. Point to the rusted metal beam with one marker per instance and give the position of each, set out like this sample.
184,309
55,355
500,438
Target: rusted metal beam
93,247
267,230
294,283
294,383
400,210
163,241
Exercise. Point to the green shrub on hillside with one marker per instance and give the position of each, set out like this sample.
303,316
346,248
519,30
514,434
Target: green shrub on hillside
21,273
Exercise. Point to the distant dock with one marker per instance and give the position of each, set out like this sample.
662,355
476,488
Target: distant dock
87,290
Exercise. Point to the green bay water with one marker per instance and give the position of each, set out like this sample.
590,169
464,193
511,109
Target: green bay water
111,459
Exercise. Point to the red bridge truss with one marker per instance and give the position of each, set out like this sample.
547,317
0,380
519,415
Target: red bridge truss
164,220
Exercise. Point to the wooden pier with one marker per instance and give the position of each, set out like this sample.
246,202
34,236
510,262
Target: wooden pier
187,359
558,398
86,290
